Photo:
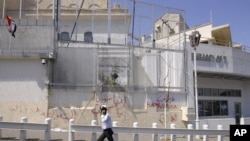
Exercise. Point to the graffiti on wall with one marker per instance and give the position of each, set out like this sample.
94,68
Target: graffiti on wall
21,108
115,103
161,102
61,114
170,118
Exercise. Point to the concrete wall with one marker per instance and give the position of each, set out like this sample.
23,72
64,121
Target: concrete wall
76,66
245,100
77,94
28,37
224,60
23,89
124,107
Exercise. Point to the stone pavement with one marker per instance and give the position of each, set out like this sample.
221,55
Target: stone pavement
13,135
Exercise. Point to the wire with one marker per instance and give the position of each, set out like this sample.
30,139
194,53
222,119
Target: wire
76,20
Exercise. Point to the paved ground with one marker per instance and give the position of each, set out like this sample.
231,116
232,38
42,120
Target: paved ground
13,135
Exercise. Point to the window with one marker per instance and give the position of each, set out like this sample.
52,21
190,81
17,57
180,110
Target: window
207,92
64,36
213,108
208,108
223,108
237,93
223,92
200,91
88,37
230,93
214,92
219,92
216,108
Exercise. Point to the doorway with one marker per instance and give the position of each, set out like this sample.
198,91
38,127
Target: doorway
237,109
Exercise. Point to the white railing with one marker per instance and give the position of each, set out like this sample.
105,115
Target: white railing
23,126
135,131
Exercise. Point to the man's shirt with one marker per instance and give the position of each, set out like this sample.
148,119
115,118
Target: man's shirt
106,121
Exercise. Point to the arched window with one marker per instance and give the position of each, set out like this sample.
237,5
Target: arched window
88,37
64,36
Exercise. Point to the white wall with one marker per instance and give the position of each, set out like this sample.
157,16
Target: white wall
99,27
234,61
28,38
23,89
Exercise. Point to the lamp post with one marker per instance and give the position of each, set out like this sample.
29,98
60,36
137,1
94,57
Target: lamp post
194,41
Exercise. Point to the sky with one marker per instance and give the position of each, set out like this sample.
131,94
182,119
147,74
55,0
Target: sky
236,13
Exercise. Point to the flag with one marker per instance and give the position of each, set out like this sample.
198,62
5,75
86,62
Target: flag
11,25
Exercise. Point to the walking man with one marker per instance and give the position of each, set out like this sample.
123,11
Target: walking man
106,125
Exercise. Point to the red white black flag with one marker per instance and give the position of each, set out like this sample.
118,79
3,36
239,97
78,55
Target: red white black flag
11,25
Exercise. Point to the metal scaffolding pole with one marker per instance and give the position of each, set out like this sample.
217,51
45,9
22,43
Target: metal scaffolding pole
4,2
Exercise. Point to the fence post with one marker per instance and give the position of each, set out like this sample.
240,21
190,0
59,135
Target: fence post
1,119
172,137
205,137
93,135
71,132
190,137
219,137
135,136
155,135
23,132
115,134
242,121
48,130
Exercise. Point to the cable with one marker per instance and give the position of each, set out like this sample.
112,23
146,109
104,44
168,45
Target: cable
76,21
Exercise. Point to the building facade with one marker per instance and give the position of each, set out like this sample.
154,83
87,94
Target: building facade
69,57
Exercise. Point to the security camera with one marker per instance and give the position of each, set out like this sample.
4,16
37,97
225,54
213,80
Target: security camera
44,61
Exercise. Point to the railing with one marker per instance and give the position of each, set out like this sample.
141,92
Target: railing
135,131
24,126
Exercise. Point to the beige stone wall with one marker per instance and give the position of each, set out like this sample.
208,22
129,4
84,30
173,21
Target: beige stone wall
102,4
13,111
46,4
120,108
